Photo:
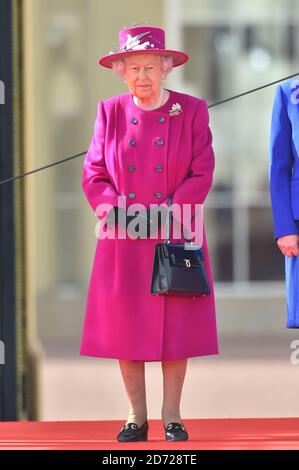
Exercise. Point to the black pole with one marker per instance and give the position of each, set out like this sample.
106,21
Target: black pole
8,372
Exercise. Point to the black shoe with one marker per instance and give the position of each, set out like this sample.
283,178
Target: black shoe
131,432
175,432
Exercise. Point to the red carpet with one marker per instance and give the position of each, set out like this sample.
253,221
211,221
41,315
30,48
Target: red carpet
258,434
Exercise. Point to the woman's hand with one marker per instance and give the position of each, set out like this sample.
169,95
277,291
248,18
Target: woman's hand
151,219
120,217
289,245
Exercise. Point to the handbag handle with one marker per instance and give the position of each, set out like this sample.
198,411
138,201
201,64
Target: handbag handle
168,223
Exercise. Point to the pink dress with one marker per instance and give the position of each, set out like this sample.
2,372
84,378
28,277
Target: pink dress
146,156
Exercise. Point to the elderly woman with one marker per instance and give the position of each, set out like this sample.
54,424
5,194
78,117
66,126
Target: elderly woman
148,144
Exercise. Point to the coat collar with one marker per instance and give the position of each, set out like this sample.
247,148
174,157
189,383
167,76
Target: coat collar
164,109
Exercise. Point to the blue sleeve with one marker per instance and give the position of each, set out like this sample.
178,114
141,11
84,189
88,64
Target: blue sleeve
280,167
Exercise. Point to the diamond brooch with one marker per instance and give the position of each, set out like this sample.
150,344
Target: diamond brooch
175,109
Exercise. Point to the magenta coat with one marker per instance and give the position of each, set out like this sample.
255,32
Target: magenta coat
146,159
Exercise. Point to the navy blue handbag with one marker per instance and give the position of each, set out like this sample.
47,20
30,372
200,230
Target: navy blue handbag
178,269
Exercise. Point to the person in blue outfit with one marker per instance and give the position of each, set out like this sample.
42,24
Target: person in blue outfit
284,187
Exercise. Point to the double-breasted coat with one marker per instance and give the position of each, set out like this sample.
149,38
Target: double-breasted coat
146,156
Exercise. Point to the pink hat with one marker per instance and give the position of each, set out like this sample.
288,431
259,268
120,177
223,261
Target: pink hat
142,39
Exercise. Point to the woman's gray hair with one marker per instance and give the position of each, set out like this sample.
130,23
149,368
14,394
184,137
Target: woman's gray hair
119,65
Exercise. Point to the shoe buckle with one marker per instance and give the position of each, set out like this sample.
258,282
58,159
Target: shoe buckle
131,426
176,426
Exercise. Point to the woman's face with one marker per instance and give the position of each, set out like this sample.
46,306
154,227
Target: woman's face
144,74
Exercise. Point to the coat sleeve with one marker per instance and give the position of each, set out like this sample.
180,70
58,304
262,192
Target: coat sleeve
280,167
96,181
195,188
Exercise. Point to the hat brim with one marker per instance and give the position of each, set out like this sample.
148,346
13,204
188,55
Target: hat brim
179,58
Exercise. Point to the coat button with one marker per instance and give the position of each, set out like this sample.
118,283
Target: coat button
131,168
158,194
131,195
159,168
161,119
134,120
159,141
132,142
